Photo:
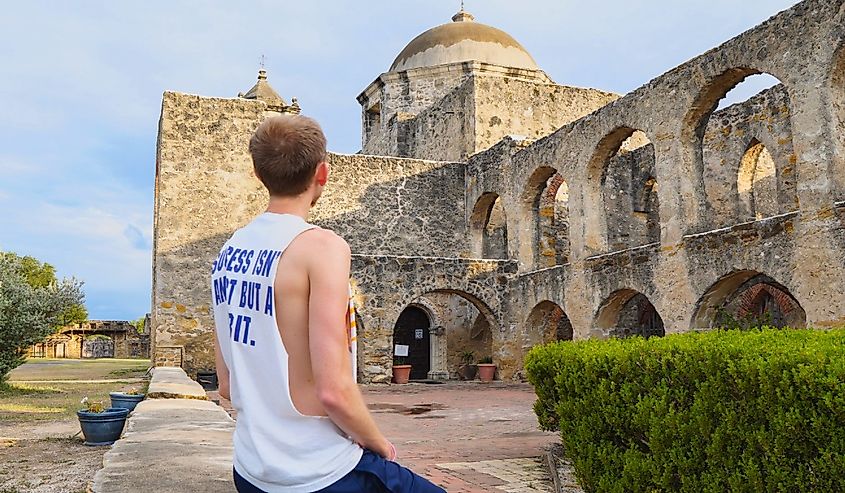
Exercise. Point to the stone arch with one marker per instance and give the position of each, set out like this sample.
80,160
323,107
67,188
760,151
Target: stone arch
488,227
448,340
627,312
693,128
744,298
544,215
547,322
620,192
756,182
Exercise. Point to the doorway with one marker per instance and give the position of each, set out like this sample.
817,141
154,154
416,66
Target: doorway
412,330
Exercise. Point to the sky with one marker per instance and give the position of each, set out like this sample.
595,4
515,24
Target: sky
81,85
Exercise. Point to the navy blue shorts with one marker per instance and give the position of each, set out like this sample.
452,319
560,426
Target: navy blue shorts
373,474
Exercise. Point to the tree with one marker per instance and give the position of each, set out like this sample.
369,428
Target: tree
30,307
41,275
74,315
139,324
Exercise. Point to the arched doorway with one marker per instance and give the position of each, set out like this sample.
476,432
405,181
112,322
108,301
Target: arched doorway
412,337
627,313
546,323
746,299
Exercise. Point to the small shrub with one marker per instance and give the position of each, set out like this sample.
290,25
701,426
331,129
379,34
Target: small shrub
756,411
93,406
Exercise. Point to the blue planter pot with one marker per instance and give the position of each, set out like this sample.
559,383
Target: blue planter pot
102,428
125,401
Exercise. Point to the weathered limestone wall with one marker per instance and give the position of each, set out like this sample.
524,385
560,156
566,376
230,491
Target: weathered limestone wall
382,205
476,114
764,118
696,168
507,106
399,96
444,131
205,189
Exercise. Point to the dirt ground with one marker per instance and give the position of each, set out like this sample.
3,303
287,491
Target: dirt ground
41,450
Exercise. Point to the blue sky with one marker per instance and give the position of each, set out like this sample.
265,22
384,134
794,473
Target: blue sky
81,84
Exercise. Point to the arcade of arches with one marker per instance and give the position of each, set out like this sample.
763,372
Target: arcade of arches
643,214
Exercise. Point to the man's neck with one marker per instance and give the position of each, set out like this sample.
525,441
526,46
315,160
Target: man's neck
297,206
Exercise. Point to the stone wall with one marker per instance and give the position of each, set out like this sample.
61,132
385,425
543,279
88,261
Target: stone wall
476,114
507,106
763,119
205,189
383,205
661,202
395,97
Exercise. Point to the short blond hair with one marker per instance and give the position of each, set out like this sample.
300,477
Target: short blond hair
286,151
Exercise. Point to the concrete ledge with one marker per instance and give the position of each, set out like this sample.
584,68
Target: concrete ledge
171,445
173,383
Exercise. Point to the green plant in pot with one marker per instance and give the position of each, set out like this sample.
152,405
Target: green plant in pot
486,369
467,370
401,370
126,400
101,425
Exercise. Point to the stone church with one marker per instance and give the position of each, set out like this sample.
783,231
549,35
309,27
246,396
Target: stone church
491,209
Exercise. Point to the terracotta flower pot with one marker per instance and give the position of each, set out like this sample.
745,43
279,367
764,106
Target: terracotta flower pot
467,372
486,372
401,373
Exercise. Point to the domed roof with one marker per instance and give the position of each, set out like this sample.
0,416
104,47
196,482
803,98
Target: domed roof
463,40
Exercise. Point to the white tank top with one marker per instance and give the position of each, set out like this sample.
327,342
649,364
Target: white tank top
276,448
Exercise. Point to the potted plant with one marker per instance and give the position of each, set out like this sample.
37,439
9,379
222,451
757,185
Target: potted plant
126,400
401,371
486,369
101,426
467,370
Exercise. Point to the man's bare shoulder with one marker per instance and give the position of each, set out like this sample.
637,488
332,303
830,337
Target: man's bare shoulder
324,241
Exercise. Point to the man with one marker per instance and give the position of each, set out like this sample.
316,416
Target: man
285,341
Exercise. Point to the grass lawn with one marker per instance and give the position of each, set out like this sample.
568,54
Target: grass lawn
60,398
78,369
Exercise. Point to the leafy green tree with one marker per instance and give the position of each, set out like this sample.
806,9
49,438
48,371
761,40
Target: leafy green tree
30,307
139,324
74,315
42,275
37,274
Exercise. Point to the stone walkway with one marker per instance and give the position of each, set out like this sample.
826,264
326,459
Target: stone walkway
466,436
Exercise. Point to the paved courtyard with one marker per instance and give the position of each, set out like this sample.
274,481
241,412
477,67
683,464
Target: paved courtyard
466,436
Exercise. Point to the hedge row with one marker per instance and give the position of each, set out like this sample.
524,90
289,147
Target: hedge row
760,411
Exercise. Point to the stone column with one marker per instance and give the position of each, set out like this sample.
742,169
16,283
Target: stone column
439,369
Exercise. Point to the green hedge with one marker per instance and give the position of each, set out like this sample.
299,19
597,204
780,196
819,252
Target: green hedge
760,411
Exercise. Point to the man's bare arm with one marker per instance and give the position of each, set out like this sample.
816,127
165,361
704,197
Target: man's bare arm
337,391
222,371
